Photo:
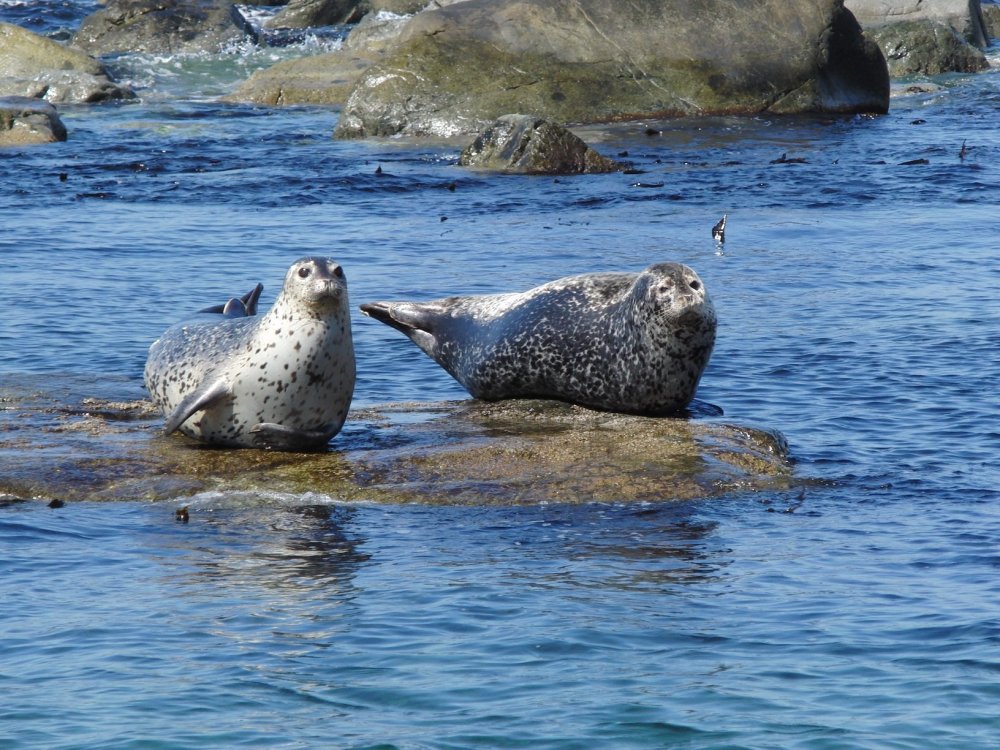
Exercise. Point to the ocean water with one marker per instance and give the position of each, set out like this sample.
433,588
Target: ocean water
857,294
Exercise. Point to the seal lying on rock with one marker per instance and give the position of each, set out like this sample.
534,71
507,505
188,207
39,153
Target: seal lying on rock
624,342
283,380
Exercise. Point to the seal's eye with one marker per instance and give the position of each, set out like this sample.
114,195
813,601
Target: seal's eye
694,284
304,272
338,272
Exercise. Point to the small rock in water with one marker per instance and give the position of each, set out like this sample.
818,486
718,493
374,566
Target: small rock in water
182,514
533,145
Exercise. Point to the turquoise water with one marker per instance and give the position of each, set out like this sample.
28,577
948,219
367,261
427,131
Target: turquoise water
857,299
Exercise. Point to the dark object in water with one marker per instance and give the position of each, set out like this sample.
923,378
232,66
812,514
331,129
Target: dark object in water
783,159
719,230
182,514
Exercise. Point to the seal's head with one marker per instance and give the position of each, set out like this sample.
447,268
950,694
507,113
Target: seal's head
317,284
672,294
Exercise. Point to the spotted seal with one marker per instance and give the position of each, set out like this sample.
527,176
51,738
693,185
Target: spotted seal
623,342
283,380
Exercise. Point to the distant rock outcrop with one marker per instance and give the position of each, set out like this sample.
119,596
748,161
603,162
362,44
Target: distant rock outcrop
926,37
526,144
40,68
25,121
456,69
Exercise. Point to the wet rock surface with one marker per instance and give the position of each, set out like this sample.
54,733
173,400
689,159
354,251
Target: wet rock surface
58,445
456,69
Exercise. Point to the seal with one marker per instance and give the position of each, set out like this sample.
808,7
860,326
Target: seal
283,380
624,342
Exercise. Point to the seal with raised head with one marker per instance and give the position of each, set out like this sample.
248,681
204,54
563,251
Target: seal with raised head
282,380
624,342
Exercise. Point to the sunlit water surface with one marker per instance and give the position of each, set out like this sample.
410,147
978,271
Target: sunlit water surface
857,299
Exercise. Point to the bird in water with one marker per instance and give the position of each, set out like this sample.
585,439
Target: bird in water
719,230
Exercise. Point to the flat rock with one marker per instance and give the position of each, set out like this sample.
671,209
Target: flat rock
58,444
25,121
34,66
454,70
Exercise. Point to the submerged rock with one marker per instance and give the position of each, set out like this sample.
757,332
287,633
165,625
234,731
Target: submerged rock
35,66
160,26
522,143
55,446
456,69
25,121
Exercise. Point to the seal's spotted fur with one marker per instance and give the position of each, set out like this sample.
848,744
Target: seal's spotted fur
282,380
623,342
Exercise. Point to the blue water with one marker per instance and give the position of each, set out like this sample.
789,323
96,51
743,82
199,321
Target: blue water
857,299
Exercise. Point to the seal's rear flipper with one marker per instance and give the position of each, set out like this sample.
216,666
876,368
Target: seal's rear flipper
387,312
412,318
209,394
243,307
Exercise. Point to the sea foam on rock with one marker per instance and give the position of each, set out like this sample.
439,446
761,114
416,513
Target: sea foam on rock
456,69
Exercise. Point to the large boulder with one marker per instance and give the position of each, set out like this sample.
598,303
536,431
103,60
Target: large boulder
926,37
37,67
25,121
456,69
160,27
531,145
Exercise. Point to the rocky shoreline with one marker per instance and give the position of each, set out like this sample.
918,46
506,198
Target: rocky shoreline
453,68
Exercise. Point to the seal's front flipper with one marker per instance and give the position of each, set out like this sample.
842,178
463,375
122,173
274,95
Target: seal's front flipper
281,438
207,395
